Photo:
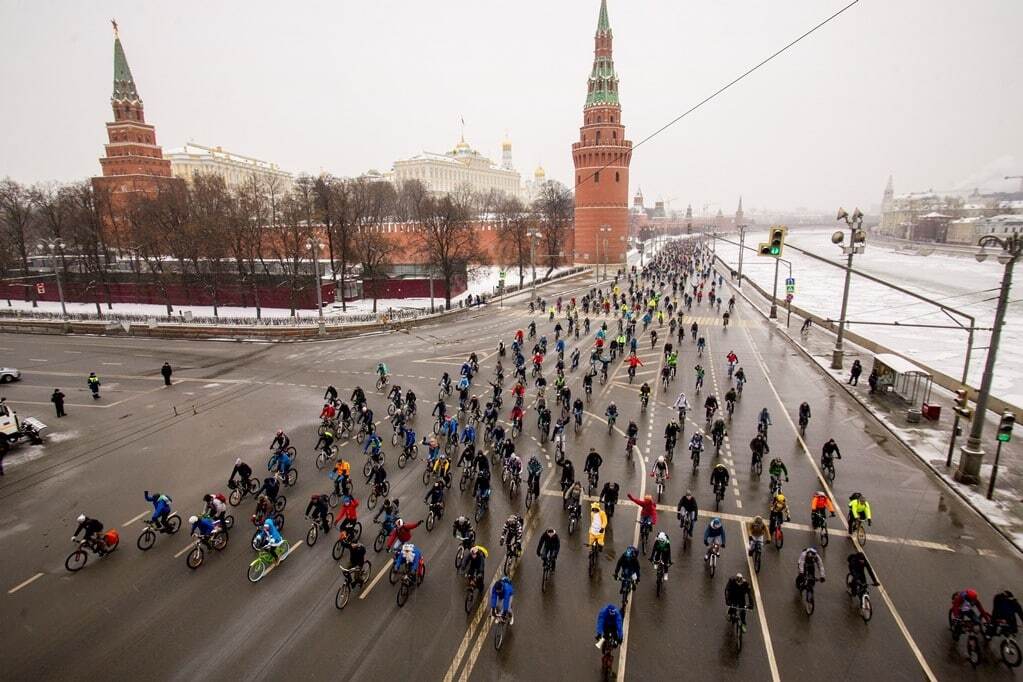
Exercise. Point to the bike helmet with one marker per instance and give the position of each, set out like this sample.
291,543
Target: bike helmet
780,498
661,460
280,432
662,537
238,461
758,520
474,552
193,519
630,551
595,508
739,578
408,551
971,594
715,523
550,532
81,518
399,523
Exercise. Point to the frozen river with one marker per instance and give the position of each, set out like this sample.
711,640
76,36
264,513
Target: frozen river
957,281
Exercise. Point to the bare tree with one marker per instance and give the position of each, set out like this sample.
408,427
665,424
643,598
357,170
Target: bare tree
514,223
209,213
446,240
372,247
89,241
18,220
555,207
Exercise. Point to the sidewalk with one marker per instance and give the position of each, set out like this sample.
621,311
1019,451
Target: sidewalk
928,440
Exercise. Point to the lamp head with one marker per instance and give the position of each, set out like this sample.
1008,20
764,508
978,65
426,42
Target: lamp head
981,255
837,237
842,215
1005,257
857,216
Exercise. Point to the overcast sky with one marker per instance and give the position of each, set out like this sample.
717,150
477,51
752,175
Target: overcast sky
928,90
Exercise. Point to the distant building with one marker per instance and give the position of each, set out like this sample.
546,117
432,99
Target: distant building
460,167
969,230
234,168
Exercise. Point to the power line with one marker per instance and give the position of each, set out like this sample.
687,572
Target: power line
723,88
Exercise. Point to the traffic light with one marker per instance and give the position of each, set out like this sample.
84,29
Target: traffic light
1005,427
962,407
776,240
765,249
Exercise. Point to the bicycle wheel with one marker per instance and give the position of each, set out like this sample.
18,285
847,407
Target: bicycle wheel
973,649
292,477
779,538
367,468
463,481
499,628
378,542
147,539
256,570
1010,652
529,499
76,560
338,550
738,633
426,476
509,562
861,533
713,564
235,498
334,500
824,535
220,540
572,522
660,581
195,557
371,501
459,555
403,591
545,578
866,609
470,599
310,537
402,460
480,510
393,576
280,503
756,560
431,520
344,593
808,601
321,460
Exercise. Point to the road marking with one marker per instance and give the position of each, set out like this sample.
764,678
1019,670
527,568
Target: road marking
74,352
37,360
761,614
186,549
884,593
380,574
28,582
118,364
133,519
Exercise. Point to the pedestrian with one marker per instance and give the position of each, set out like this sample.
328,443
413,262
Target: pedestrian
93,382
872,380
58,401
855,372
166,371
806,326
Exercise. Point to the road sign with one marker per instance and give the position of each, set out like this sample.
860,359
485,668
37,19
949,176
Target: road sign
41,288
790,281
501,275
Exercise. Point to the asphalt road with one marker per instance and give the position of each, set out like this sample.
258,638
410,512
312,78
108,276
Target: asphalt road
135,613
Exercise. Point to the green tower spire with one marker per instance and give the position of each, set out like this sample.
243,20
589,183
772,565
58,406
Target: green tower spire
124,83
603,81
603,24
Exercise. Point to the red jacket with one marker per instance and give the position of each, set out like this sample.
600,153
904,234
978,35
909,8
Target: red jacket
402,533
648,508
327,412
348,510
633,361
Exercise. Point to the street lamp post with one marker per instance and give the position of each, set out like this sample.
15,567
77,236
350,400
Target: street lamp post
742,244
53,246
855,224
313,245
972,453
604,229
532,258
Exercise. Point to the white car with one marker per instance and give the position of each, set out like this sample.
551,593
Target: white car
9,374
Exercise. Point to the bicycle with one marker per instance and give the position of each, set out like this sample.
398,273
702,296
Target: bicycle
548,572
346,538
803,421
354,578
628,585
381,538
216,540
757,465
712,558
828,469
858,530
695,455
859,591
147,538
805,585
659,481
465,479
265,560
324,456
290,451
461,554
738,627
482,504
645,527
607,648
686,524
502,621
512,552
407,455
380,490
100,546
239,489
610,424
433,515
758,551
408,581
258,523
574,512
630,445
314,528
719,495
594,556
661,570
819,522
778,536
382,381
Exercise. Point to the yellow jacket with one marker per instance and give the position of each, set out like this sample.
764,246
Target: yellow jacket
598,523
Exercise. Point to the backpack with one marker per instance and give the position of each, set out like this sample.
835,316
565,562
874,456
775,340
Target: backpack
221,497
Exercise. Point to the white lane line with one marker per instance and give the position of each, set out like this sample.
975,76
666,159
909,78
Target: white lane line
133,519
761,614
116,364
38,360
28,582
74,352
186,549
383,571
823,481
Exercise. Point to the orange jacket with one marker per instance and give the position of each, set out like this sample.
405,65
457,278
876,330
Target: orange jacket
820,502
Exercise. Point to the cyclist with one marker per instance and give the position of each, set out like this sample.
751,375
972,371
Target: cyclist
829,453
719,478
819,504
381,371
701,343
389,510
687,507
331,394
609,625
628,565
717,431
461,528
481,488
325,441
328,412
598,524
378,477
503,591
572,496
757,534
90,529
715,530
739,596
611,412
711,406
215,506
672,362
511,535
402,533
759,447
631,431
1004,612
860,568
966,605
358,397
533,470
859,508
810,566
593,462
660,469
696,444
730,397
644,393
373,442
440,410
567,473
410,401
804,414
740,379
577,410
411,555
348,514
270,539
201,527
662,552
476,564
549,546
777,469
435,496
682,405
609,497
671,431
243,471
317,510
700,372
161,509
280,441
763,421
647,510
779,511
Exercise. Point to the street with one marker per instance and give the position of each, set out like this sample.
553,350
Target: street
133,613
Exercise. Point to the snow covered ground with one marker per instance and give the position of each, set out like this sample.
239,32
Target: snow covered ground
482,281
959,282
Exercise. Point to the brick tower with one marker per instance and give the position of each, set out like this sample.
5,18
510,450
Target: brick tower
601,158
134,163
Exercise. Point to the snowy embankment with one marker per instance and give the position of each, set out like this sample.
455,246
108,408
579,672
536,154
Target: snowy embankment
957,282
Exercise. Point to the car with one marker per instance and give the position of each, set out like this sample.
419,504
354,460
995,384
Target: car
9,374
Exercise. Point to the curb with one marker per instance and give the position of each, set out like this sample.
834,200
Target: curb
938,474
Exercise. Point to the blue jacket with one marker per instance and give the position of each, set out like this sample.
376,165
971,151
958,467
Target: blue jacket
509,591
160,502
410,438
604,621
711,533
469,435
270,530
371,442
204,526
